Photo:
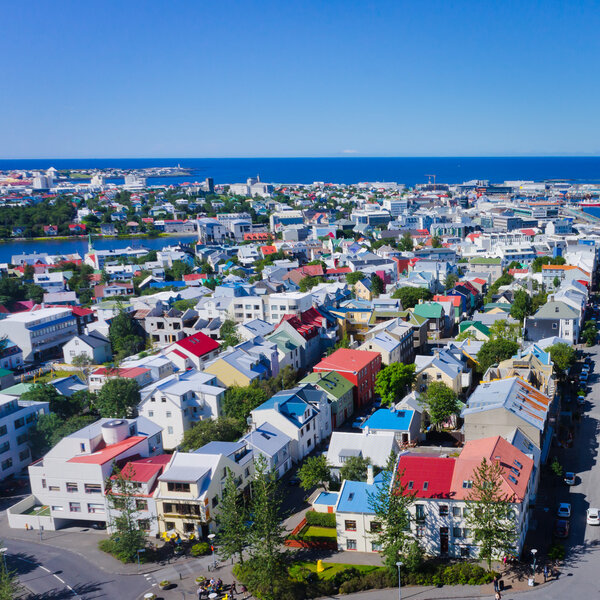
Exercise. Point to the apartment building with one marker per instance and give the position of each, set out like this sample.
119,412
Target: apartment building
286,303
17,417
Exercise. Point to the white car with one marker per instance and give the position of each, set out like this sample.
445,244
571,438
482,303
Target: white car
593,516
564,510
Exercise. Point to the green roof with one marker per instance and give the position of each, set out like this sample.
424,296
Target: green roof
429,310
5,372
480,260
412,317
476,325
505,306
330,382
283,340
18,389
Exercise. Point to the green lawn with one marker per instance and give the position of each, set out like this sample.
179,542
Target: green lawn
42,511
331,569
314,531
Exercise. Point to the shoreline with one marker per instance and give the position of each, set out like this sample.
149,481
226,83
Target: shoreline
67,238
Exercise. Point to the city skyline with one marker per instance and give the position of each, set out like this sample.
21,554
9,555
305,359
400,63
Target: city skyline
311,80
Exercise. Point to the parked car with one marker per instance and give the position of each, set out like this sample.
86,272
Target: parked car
561,528
570,478
593,516
564,510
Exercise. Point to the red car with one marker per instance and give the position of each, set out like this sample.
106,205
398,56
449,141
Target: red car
561,528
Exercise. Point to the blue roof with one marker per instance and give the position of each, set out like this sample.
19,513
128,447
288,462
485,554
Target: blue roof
354,497
384,418
292,404
327,498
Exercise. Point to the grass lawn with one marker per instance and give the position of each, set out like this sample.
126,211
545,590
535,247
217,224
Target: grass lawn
314,531
42,511
331,569
47,377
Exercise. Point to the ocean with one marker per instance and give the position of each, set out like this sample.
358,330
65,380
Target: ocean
350,170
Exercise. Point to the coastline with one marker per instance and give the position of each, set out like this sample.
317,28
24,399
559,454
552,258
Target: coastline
64,238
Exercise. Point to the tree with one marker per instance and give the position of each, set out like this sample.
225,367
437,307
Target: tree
9,582
63,406
125,335
267,532
118,398
495,351
232,520
521,306
239,401
563,356
28,272
410,296
538,300
177,271
314,471
82,361
223,429
546,260
309,282
355,468
229,334
556,282
491,514
50,429
390,502
441,403
104,277
503,330
451,280
35,293
394,381
121,494
406,243
377,285
352,278
590,332
436,242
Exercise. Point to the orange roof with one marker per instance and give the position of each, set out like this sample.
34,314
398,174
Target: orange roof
563,268
108,453
268,250
516,466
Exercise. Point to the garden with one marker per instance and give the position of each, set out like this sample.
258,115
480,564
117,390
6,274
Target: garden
316,530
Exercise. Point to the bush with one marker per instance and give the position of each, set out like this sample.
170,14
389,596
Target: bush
200,549
320,519
381,578
556,552
110,547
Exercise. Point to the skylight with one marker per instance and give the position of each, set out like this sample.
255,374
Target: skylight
517,464
425,485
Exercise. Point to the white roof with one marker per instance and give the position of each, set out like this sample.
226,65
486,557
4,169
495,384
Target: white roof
375,446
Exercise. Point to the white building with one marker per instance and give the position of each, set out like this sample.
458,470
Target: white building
274,445
50,282
40,333
71,478
179,401
93,345
16,418
286,303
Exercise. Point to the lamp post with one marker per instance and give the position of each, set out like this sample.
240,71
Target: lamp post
399,564
211,537
3,551
533,552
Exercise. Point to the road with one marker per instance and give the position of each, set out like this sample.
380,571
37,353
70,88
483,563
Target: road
52,573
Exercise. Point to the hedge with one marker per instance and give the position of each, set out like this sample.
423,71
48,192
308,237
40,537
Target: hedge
320,519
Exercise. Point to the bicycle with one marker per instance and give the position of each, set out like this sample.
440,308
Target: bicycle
214,566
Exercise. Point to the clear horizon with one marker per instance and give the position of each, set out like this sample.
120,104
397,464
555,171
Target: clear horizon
240,79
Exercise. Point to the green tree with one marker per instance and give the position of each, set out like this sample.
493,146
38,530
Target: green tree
35,293
267,532
451,280
352,278
9,582
491,513
521,306
393,381
410,296
309,282
63,406
11,290
406,243
223,429
125,336
49,429
538,300
441,403
177,271
556,282
232,520
118,398
229,334
563,356
239,401
121,494
503,330
590,332
184,305
546,260
314,471
377,285
28,272
355,468
83,362
104,277
495,351
391,502
436,242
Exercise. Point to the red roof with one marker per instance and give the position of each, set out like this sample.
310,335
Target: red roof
108,453
179,353
346,360
455,300
338,271
198,344
268,250
426,476
195,276
528,231
145,469
79,311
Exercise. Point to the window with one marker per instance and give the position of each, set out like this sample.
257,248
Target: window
168,414
96,508
24,454
375,526
141,504
425,485
144,524
72,488
420,512
456,511
410,485
44,483
466,532
3,430
457,532
375,547
170,430
467,484
420,532
350,544
19,423
443,510
92,488
175,486
53,488
350,525
163,399
57,507
6,464
22,439
75,506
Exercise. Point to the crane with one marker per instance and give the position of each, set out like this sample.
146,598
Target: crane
430,176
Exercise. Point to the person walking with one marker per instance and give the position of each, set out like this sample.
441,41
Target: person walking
545,573
496,584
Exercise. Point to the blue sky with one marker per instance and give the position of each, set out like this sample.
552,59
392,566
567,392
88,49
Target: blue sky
284,78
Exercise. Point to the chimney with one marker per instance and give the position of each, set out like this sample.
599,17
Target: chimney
370,477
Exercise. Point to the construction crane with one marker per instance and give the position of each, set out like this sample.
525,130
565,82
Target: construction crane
430,176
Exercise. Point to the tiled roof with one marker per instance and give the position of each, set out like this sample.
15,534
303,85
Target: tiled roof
198,344
426,476
346,360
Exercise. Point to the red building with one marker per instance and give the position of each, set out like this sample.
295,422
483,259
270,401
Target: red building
360,367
